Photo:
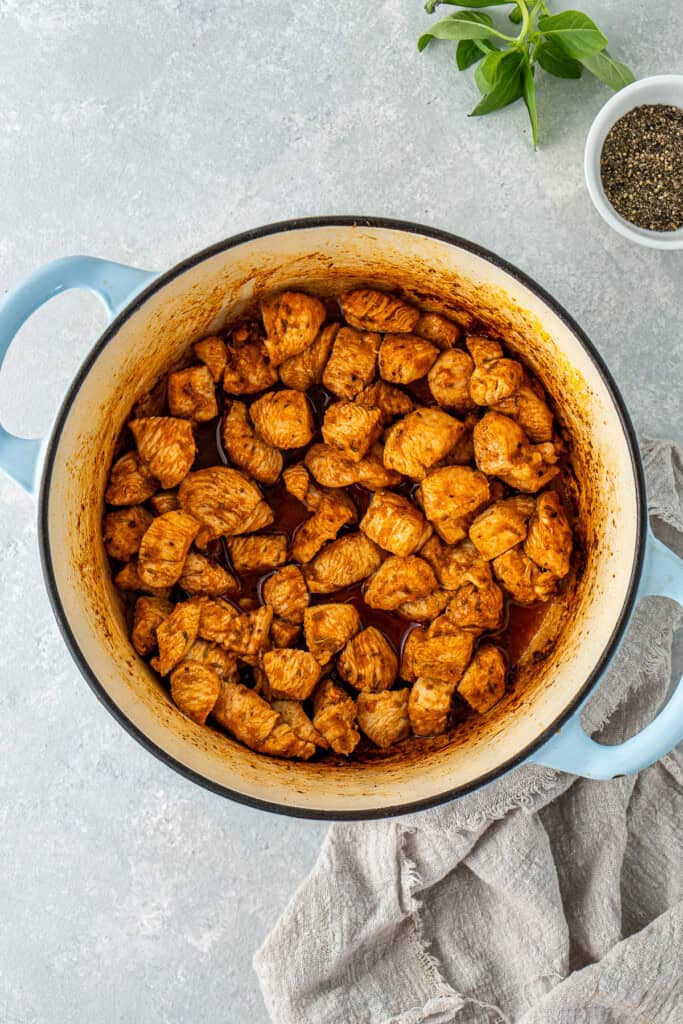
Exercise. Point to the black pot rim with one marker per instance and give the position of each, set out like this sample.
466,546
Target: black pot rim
277,228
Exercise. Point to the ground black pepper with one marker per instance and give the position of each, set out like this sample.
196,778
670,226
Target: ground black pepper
641,167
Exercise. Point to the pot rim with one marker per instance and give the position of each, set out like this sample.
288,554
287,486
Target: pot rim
294,224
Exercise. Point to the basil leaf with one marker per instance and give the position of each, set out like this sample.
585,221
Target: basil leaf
575,32
507,87
469,51
555,61
610,71
463,25
515,16
431,5
487,72
529,93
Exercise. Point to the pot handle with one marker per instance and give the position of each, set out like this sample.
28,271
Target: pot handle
114,283
572,750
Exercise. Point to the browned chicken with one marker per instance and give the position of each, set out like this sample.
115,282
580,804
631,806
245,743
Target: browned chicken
130,482
287,594
164,547
283,633
256,724
390,401
549,540
384,717
404,358
216,620
153,403
176,635
128,578
334,511
529,408
462,454
332,469
283,418
192,394
328,627
195,688
201,575
220,498
368,661
424,609
502,449
398,580
522,578
429,705
261,517
224,663
438,329
291,674
248,369
246,449
452,563
372,472
334,716
352,429
292,712
212,351
148,615
501,525
352,363
123,530
370,310
450,497
246,634
442,656
164,501
449,380
301,372
495,377
166,446
394,523
297,480
418,441
258,552
477,604
292,321
483,683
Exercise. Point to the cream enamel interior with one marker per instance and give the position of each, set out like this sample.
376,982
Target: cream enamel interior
203,297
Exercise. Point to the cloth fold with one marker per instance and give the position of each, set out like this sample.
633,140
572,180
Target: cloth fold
540,899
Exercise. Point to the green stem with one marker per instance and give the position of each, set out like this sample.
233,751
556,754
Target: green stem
524,11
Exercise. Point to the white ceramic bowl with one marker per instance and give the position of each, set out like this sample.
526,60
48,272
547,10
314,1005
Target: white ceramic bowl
657,89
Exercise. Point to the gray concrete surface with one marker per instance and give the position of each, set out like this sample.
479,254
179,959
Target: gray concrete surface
141,132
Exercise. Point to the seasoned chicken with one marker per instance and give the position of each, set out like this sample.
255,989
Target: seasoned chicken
404,358
176,635
221,499
345,561
292,712
370,310
195,688
373,474
429,705
246,449
502,449
450,497
224,663
419,440
166,446
258,552
283,418
549,540
164,501
453,564
148,615
483,683
164,547
292,321
248,369
501,525
287,594
352,363
153,403
334,716
130,482
398,580
128,579
216,620
301,372
328,627
201,575
291,674
449,380
332,469
394,523
351,429
424,609
495,377
463,452
261,517
297,480
334,511
283,633
522,578
528,408
256,724
192,394
436,328
368,661
477,604
246,634
442,656
212,351
390,401
384,717
123,530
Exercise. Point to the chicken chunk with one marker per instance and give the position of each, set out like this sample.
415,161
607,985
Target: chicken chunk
390,401
453,564
352,363
152,403
334,511
291,674
201,575
248,369
164,501
419,440
404,358
128,579
477,604
398,580
292,321
301,372
195,689
501,526
328,627
283,418
351,429
451,496
345,561
148,615
246,449
394,523
130,482
502,449
384,717
549,540
292,712
192,394
371,310
246,634
368,661
261,517
529,408
436,328
424,609
123,530
166,446
429,705
287,594
284,634
462,454
258,552
212,351
297,480
332,469
522,578
441,656
176,635
334,715
256,724
164,547
216,620
449,380
495,377
224,663
221,499
483,683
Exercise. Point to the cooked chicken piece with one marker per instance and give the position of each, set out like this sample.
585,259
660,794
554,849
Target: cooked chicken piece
176,635
292,321
419,440
212,351
261,517
258,552
293,714
351,429
383,717
303,371
130,482
435,328
128,579
368,661
345,561
429,705
451,496
352,363
248,369
463,452
484,350
549,540
256,724
404,358
394,523
164,501
284,634
224,663
522,578
390,401
501,525
166,446
246,449
192,394
495,377
477,604
164,547
153,403
483,683
201,575
221,499
246,634
449,380
441,656
148,615
298,482
454,564
502,449
529,409
424,609
283,418
123,530
291,674
334,716
332,469
195,688
217,620
370,310
334,511
398,580
372,472
287,594
328,627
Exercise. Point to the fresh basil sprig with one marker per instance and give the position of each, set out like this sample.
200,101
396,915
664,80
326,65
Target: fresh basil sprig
562,44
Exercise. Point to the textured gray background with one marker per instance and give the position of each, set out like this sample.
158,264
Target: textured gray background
142,132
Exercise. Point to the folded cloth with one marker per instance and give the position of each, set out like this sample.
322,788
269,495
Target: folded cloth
540,899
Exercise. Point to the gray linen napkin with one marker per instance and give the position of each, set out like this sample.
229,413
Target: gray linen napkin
541,899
